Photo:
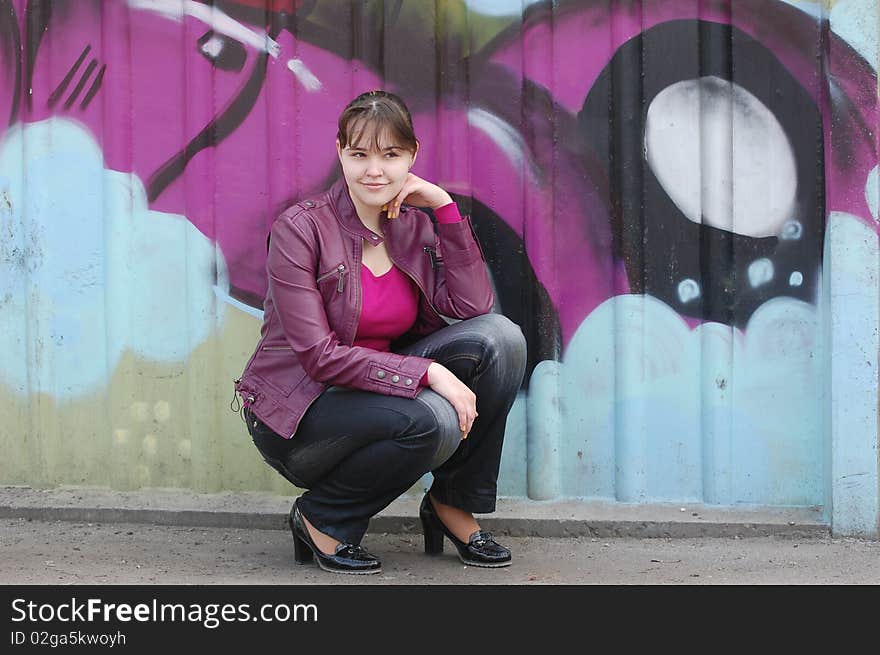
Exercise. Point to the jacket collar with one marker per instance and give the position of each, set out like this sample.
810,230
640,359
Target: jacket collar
343,207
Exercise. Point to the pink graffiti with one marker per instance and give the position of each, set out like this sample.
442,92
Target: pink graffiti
158,93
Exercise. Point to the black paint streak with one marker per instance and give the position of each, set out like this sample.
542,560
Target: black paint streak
82,82
232,116
96,85
523,299
37,16
658,244
59,91
11,40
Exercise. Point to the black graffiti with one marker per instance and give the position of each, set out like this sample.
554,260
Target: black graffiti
10,39
59,91
523,299
38,13
658,244
235,113
93,89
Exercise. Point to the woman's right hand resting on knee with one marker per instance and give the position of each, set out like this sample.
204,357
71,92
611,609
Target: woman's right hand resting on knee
459,395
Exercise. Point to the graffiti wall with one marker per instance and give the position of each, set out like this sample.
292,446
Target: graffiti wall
678,201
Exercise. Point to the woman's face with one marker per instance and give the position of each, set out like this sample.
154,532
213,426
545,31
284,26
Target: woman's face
374,169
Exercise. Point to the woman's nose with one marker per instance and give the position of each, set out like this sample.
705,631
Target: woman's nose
374,169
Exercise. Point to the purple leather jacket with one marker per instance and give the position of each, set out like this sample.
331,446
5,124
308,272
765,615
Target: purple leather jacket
313,303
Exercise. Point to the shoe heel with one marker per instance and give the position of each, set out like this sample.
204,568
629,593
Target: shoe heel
433,538
302,554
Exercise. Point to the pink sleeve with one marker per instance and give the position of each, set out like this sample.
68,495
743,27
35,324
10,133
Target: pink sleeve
424,381
447,213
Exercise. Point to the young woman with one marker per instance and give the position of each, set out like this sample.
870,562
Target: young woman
358,386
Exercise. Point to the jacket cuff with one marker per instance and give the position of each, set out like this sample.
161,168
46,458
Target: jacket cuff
402,379
460,245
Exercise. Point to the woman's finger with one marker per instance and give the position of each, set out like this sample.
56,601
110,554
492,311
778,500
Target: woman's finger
394,205
397,201
463,424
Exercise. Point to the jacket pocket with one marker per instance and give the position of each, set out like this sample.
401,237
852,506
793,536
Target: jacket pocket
278,366
336,273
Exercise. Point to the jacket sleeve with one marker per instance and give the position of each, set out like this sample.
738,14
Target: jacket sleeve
291,266
461,282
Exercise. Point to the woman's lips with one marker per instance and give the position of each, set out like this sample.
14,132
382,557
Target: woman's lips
374,185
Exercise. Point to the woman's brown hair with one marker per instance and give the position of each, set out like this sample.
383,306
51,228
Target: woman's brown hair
380,112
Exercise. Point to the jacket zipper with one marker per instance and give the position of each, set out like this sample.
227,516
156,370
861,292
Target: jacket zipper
340,271
413,278
358,258
432,253
276,348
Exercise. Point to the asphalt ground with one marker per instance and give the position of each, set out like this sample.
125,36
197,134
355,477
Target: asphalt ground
170,537
36,552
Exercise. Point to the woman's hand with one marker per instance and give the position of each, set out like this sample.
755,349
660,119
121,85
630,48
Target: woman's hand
419,193
462,399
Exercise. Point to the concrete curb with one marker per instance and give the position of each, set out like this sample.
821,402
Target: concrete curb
513,516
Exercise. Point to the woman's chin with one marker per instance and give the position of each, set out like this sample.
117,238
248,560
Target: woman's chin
374,204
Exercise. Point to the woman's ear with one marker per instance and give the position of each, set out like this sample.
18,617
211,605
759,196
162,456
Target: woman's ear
338,149
415,154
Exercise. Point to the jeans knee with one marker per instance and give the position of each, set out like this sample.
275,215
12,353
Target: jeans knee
446,435
505,343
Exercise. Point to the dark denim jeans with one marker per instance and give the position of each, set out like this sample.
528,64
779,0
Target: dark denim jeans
356,451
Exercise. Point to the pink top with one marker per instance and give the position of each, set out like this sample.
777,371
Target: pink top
389,308
390,301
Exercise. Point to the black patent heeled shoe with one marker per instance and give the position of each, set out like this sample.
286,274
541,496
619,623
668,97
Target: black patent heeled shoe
348,558
480,550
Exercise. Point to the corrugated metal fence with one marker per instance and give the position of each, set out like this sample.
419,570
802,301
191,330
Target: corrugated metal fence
678,200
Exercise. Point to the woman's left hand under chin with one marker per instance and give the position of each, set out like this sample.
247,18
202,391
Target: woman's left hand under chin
418,193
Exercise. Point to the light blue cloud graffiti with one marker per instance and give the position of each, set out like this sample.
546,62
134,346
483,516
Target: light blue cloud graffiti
651,410
856,21
86,270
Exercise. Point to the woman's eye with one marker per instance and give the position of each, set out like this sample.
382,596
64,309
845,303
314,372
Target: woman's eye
391,154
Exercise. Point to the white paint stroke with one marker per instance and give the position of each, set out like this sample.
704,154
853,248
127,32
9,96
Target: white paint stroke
722,156
505,137
760,272
688,289
306,77
814,8
210,15
229,300
213,46
792,231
